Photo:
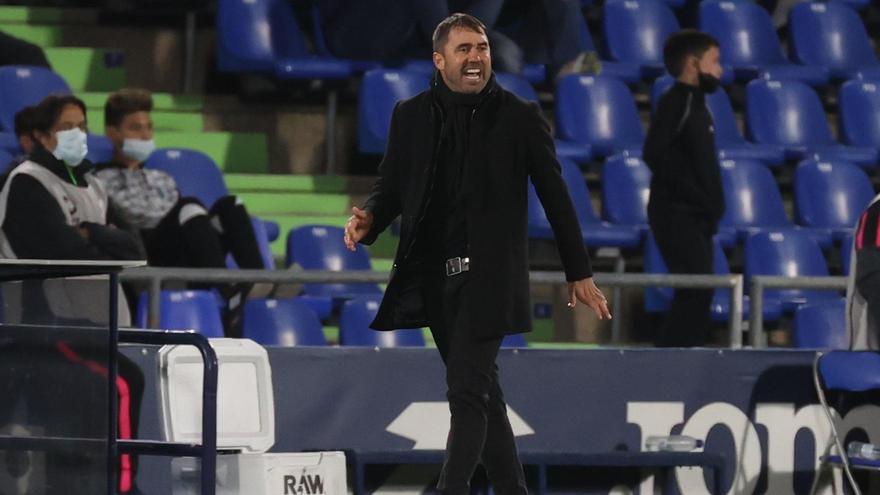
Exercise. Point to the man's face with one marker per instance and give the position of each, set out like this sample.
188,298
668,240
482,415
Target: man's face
466,63
137,125
71,116
710,62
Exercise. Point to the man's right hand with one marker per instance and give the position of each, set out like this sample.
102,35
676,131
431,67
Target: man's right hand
357,227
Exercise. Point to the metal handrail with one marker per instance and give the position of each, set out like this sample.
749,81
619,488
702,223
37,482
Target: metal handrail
759,283
157,276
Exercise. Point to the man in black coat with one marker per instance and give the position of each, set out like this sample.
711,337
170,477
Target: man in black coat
456,170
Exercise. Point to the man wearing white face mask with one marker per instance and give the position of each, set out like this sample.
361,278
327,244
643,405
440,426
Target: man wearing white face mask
176,231
49,207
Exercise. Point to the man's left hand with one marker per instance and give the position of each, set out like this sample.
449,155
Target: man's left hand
586,292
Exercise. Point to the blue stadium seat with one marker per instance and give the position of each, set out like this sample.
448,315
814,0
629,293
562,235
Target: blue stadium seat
5,160
626,186
354,327
23,86
601,112
832,35
635,31
831,195
197,310
596,233
859,103
519,86
788,253
821,325
100,149
9,143
753,203
282,322
323,49
320,247
846,253
789,114
533,73
196,173
749,43
730,143
514,340
856,4
658,299
264,36
627,72
380,90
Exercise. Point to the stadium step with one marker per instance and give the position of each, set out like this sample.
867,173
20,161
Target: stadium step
161,101
163,121
44,36
47,15
242,152
267,203
286,183
88,69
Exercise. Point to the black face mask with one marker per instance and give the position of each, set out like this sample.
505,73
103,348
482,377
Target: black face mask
708,83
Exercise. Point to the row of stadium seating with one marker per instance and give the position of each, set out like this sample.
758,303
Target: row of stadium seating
828,42
597,116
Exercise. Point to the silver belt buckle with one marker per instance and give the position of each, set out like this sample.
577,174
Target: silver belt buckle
457,265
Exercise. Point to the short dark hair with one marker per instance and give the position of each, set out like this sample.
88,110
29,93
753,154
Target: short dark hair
48,111
126,102
683,44
455,21
24,121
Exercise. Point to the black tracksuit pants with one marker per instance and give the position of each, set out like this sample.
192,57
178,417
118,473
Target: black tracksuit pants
480,429
685,242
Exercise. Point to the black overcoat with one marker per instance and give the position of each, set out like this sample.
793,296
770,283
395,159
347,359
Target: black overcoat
509,143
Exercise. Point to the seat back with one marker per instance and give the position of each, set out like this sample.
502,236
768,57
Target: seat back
635,30
195,173
787,253
354,327
517,85
252,34
831,35
745,32
853,371
597,110
626,188
100,149
860,113
197,310
380,90
577,190
23,86
830,194
787,113
718,103
514,340
821,325
282,322
320,247
846,253
751,196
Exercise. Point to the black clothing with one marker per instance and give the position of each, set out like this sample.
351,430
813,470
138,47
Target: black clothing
686,202
456,169
36,226
680,151
509,143
16,51
474,394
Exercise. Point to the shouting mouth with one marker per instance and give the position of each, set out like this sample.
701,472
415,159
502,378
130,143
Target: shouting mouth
473,74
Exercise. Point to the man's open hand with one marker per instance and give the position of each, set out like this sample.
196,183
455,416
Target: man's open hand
586,292
357,226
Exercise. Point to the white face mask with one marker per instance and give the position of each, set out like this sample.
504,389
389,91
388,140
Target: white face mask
72,147
138,149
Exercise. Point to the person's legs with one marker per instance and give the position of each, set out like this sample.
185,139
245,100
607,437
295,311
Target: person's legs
479,427
230,218
686,248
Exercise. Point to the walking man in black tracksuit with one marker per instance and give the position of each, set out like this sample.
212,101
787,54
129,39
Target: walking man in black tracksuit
456,170
687,199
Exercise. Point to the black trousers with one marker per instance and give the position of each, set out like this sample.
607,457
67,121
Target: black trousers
685,242
480,430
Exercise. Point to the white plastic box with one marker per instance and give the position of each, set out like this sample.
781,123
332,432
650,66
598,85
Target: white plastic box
245,424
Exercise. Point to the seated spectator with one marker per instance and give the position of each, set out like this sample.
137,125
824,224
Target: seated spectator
24,132
863,287
176,231
50,208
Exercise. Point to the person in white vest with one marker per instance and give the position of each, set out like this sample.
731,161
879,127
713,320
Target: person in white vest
863,287
50,208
